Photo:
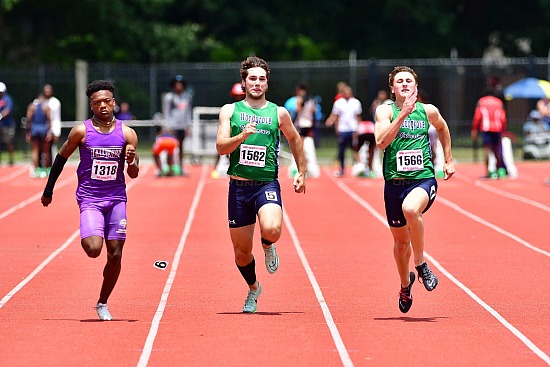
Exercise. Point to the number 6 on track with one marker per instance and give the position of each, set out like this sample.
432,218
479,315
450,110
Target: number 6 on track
160,264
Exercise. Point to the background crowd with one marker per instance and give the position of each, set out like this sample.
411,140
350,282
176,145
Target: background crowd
352,124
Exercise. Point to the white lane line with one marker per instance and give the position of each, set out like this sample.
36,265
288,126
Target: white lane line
518,334
509,195
444,271
148,347
492,226
342,350
39,268
14,174
506,194
52,256
32,199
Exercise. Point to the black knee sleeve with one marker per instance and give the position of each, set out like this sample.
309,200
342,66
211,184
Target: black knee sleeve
266,242
249,272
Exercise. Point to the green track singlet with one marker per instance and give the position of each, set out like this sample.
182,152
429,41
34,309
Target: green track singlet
409,155
257,158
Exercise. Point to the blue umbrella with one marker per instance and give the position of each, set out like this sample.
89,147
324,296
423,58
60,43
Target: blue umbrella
528,88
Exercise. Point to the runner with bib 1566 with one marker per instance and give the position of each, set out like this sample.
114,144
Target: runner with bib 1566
410,188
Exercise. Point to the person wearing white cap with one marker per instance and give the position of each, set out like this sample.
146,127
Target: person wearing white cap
7,123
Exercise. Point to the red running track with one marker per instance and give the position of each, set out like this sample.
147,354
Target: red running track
333,301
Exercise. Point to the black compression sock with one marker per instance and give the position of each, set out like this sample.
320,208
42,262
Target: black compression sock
249,272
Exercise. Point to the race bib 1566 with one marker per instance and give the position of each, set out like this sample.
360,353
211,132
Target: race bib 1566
410,160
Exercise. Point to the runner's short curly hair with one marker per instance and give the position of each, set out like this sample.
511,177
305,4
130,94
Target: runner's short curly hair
98,85
254,62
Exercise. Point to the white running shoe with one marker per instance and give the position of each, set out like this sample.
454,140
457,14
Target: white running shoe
251,303
271,259
103,312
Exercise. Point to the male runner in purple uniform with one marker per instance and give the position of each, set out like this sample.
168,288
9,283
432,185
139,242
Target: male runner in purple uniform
105,144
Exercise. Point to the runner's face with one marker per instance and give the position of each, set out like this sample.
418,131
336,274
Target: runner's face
403,84
102,104
256,83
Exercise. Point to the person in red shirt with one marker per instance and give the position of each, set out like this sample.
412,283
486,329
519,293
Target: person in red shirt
490,120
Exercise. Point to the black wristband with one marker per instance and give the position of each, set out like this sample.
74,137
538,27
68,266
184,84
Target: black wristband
55,171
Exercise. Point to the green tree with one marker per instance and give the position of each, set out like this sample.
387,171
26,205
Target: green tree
116,30
60,31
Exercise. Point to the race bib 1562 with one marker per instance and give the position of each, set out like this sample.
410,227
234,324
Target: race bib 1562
253,155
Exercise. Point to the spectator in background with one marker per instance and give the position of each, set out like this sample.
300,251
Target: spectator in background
543,106
340,90
339,93
365,135
7,123
345,116
292,106
124,112
535,124
302,109
493,82
164,142
39,135
490,120
176,110
55,117
381,97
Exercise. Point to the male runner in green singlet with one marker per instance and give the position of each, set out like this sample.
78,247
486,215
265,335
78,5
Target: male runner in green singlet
249,132
401,130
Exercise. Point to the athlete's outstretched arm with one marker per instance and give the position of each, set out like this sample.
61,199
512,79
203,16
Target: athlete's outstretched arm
76,137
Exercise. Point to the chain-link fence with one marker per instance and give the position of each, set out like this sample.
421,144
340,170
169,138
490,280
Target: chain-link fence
452,84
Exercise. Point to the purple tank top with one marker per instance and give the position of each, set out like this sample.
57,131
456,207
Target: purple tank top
101,169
